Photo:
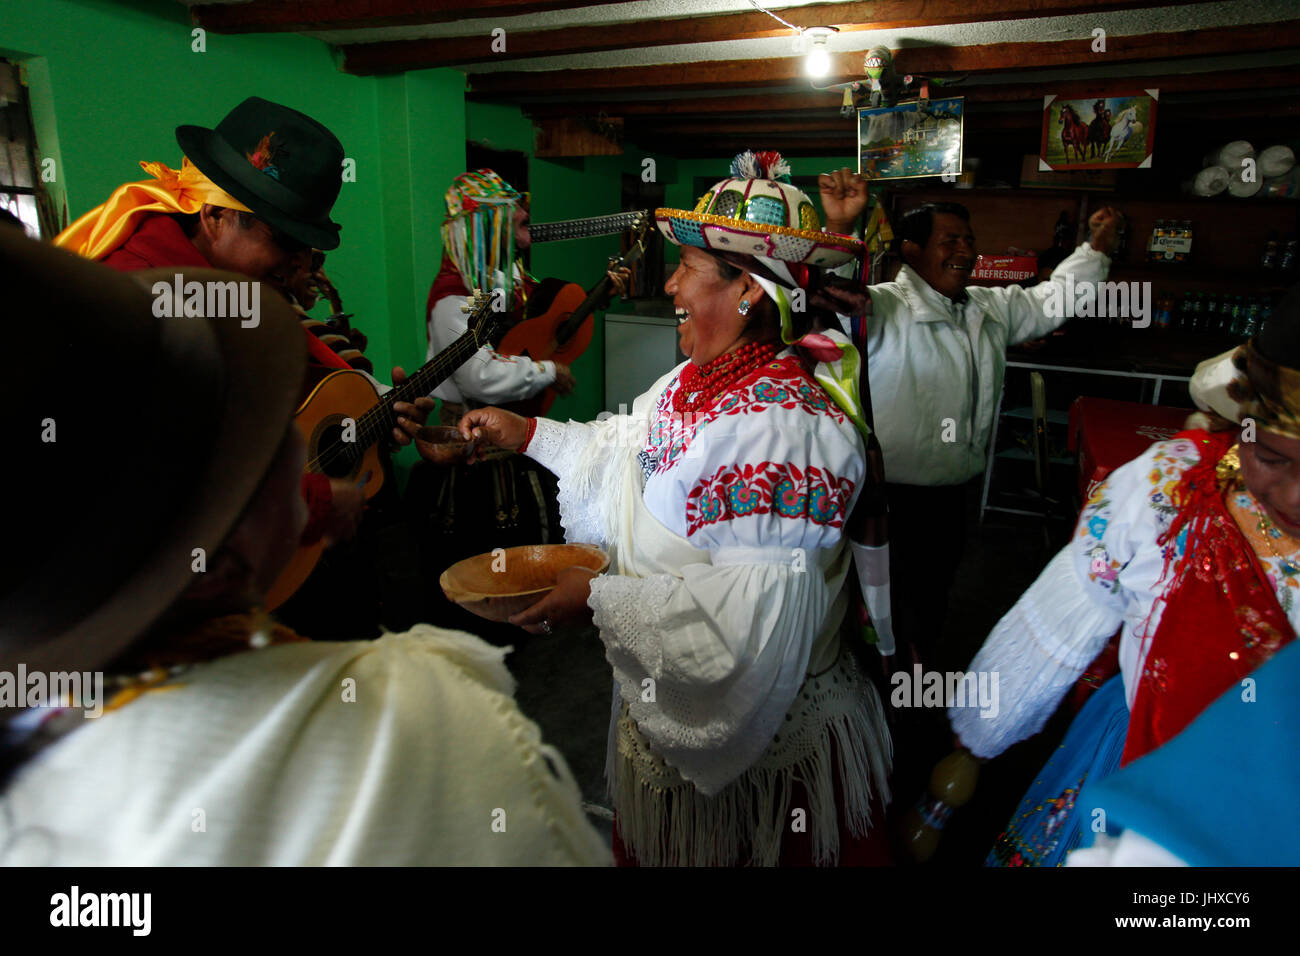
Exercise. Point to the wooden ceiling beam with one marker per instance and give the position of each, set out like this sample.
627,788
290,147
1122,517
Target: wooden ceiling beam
304,16
740,125
427,52
1269,78
933,60
779,143
813,99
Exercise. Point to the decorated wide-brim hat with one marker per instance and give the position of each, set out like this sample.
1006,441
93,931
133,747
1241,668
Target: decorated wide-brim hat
757,212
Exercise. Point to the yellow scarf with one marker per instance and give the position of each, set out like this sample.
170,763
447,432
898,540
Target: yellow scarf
107,226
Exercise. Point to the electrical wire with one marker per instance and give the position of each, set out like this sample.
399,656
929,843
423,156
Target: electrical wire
759,8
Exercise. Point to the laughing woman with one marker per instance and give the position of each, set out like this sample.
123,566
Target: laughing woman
743,731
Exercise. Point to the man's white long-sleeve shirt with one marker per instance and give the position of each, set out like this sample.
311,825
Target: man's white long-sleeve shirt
487,376
936,366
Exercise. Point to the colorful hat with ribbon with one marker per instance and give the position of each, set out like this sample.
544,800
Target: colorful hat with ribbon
757,212
478,234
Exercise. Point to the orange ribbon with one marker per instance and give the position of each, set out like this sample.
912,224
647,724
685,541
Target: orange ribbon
109,225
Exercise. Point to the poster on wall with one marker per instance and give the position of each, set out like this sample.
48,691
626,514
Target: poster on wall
1099,131
906,141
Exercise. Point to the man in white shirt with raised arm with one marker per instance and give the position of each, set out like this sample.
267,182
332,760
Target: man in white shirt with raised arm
936,356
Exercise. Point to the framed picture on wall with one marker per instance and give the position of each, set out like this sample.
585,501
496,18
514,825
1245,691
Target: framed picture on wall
1098,130
907,140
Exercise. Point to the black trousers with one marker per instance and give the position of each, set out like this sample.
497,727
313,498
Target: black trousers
927,535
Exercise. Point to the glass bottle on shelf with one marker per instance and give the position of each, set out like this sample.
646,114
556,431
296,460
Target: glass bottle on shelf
1212,317
1287,262
1156,247
1270,258
1183,241
1266,312
1253,318
1238,314
1164,311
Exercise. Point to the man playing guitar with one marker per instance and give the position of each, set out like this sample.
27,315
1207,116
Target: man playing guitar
508,501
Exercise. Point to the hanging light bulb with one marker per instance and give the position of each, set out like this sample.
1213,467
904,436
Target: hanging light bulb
818,61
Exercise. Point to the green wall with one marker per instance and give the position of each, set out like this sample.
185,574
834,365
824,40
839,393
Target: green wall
111,81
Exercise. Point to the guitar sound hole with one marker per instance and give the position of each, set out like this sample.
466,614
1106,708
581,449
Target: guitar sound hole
336,457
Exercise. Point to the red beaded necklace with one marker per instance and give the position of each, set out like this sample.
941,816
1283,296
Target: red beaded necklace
706,383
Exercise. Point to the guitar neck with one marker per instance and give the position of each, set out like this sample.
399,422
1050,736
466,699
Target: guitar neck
571,325
377,422
586,228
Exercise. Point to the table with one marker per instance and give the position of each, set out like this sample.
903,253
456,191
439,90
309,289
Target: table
1108,433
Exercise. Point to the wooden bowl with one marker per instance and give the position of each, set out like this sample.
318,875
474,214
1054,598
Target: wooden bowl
442,445
501,584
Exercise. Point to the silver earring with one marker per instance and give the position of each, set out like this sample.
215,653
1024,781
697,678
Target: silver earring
743,308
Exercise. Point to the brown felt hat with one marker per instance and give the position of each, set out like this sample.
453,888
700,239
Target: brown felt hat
137,438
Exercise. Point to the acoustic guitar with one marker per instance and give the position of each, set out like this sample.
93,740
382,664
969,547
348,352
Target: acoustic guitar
344,419
562,331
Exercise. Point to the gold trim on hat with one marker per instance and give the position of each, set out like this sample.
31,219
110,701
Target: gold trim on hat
845,243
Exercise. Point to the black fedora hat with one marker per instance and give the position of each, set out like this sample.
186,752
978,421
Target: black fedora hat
143,438
280,163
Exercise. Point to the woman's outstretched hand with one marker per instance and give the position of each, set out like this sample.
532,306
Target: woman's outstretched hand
492,428
565,606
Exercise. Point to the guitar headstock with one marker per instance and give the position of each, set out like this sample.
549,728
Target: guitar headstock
639,227
483,318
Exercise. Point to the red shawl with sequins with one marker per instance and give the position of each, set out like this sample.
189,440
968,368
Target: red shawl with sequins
1220,619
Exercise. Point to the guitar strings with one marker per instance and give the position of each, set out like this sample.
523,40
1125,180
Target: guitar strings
377,419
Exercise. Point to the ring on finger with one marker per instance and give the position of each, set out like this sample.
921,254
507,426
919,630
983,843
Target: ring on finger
545,626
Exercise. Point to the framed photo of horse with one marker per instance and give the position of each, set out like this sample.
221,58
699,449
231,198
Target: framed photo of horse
1098,131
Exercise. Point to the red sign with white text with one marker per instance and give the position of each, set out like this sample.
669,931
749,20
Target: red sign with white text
1006,268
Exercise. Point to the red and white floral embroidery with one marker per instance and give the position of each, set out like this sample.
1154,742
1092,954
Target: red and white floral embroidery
780,488
782,383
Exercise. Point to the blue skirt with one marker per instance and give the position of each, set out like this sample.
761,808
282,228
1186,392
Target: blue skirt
1047,825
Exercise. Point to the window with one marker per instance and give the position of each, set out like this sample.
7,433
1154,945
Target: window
21,192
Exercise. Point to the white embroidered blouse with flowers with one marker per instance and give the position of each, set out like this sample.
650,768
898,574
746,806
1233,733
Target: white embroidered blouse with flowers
721,612
1108,576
